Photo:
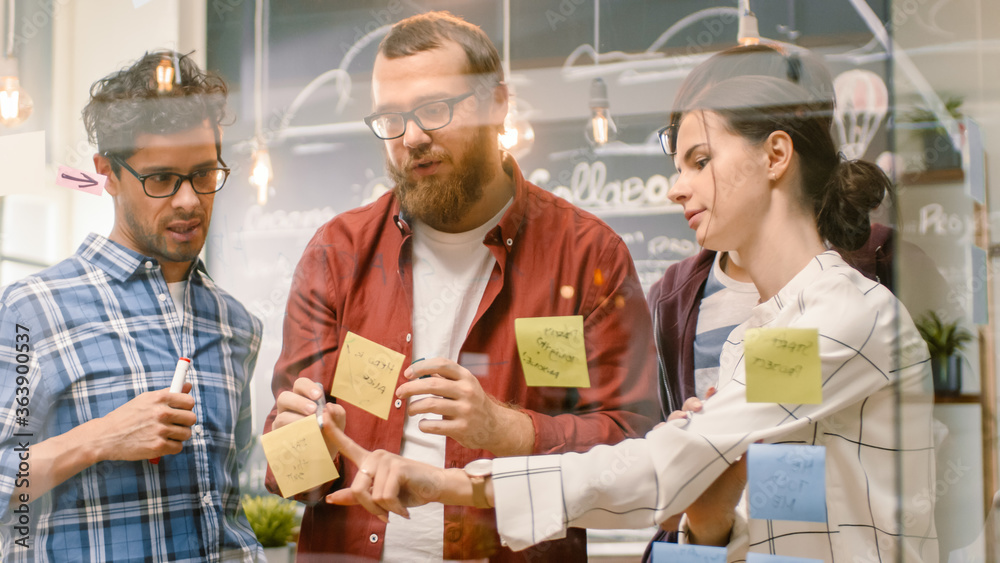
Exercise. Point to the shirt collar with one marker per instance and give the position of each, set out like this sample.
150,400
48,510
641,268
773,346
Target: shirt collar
118,261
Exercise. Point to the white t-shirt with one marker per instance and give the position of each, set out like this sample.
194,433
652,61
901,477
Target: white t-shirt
450,273
177,295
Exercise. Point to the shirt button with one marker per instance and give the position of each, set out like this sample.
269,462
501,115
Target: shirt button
197,429
409,337
373,538
162,297
398,403
149,264
510,242
207,499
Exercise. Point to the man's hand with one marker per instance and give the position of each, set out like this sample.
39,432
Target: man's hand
468,415
301,402
154,424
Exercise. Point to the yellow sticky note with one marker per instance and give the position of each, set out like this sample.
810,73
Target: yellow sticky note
782,366
552,351
298,456
366,375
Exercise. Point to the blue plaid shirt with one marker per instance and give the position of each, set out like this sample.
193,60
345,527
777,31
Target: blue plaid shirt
102,328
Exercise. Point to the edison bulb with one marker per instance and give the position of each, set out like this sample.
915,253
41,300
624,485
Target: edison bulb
601,128
261,174
15,103
518,135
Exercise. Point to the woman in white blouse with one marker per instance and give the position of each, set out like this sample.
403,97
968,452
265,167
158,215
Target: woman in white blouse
758,174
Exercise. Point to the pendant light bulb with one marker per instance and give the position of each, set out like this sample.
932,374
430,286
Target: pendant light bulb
261,174
601,128
165,76
15,104
518,135
747,33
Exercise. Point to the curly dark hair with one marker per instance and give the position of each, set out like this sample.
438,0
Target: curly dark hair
128,103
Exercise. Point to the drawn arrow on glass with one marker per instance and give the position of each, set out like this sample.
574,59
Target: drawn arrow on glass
86,182
92,183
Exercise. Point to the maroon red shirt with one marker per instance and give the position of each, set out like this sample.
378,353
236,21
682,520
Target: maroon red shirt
552,259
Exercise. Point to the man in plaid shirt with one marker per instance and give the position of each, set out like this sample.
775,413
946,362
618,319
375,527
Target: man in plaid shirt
88,349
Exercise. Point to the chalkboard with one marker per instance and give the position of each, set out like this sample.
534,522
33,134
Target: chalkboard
320,172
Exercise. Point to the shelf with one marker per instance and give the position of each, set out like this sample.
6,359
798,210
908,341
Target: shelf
968,399
929,177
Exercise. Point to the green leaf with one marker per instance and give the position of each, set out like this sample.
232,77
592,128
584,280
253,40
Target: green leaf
272,519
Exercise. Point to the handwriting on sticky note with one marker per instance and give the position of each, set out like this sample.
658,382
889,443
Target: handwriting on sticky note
664,552
552,351
787,482
366,375
783,366
90,182
766,558
298,456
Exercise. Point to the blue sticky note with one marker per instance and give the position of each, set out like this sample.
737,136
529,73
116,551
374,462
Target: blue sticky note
980,281
787,482
975,179
664,552
765,558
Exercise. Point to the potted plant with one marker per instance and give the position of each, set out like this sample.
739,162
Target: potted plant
944,341
273,520
939,153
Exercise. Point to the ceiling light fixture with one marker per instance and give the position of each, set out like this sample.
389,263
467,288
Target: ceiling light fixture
518,135
15,104
748,33
261,172
600,129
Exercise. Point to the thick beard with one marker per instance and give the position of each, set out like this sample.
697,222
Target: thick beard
441,201
155,244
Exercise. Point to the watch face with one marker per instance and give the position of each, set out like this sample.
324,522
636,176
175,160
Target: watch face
479,468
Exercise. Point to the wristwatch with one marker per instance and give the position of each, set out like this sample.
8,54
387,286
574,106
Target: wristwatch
478,471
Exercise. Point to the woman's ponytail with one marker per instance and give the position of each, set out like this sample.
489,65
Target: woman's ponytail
854,189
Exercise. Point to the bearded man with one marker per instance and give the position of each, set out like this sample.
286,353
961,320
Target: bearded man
440,268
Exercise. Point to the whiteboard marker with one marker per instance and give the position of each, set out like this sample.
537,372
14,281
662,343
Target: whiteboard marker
176,385
320,404
180,375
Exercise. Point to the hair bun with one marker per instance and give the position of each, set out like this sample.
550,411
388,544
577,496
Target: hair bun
856,188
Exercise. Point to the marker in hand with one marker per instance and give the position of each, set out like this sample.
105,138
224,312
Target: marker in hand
177,385
320,404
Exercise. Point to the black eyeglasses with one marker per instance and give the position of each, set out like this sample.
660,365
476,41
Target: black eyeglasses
166,184
429,117
668,139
